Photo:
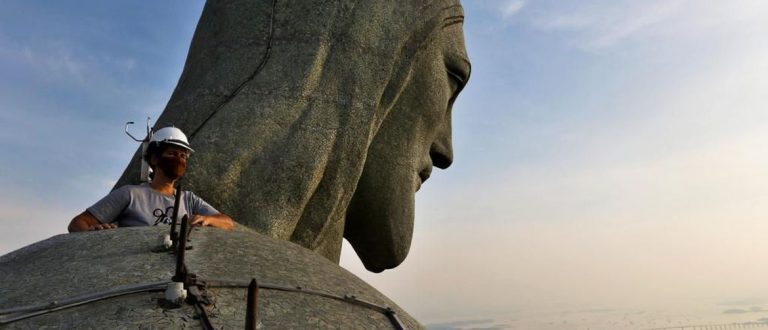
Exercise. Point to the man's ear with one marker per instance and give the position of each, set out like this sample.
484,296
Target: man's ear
152,160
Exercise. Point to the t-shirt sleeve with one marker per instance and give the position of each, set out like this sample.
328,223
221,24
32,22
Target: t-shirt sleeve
199,206
109,208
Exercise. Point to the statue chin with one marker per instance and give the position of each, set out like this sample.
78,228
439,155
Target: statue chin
379,220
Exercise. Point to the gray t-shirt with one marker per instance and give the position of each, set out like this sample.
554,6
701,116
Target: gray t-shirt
140,205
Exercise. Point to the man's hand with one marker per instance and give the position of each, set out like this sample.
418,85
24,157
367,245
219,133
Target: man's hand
217,220
86,222
103,226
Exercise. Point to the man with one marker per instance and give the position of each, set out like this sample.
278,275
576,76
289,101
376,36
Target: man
152,204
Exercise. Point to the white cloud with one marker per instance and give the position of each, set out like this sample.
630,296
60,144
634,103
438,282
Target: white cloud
571,21
61,61
511,8
594,25
614,29
605,25
56,61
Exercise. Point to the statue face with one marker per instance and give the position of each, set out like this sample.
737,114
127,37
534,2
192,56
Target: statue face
414,137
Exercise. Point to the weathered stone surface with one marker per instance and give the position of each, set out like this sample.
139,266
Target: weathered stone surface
317,120
75,264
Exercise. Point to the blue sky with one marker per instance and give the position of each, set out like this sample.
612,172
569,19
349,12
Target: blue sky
608,153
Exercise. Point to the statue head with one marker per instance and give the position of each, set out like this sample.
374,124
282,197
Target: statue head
414,137
314,122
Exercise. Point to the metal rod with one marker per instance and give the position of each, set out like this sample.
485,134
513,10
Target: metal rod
19,313
175,215
181,248
351,299
394,319
252,311
199,302
129,134
204,319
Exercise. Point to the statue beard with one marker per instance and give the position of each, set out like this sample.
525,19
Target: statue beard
173,168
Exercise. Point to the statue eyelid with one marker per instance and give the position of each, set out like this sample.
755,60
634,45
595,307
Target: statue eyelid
459,78
457,73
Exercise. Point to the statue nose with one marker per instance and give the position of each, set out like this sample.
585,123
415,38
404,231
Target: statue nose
441,152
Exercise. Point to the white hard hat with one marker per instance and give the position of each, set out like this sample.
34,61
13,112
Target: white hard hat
171,135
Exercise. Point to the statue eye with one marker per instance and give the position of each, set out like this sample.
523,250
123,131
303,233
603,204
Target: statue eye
458,73
457,82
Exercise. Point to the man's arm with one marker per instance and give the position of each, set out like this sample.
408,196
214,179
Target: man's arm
220,220
86,221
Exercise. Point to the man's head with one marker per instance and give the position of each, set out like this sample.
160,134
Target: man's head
168,151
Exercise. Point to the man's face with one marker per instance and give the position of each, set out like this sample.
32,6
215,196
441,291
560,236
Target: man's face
172,161
414,137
